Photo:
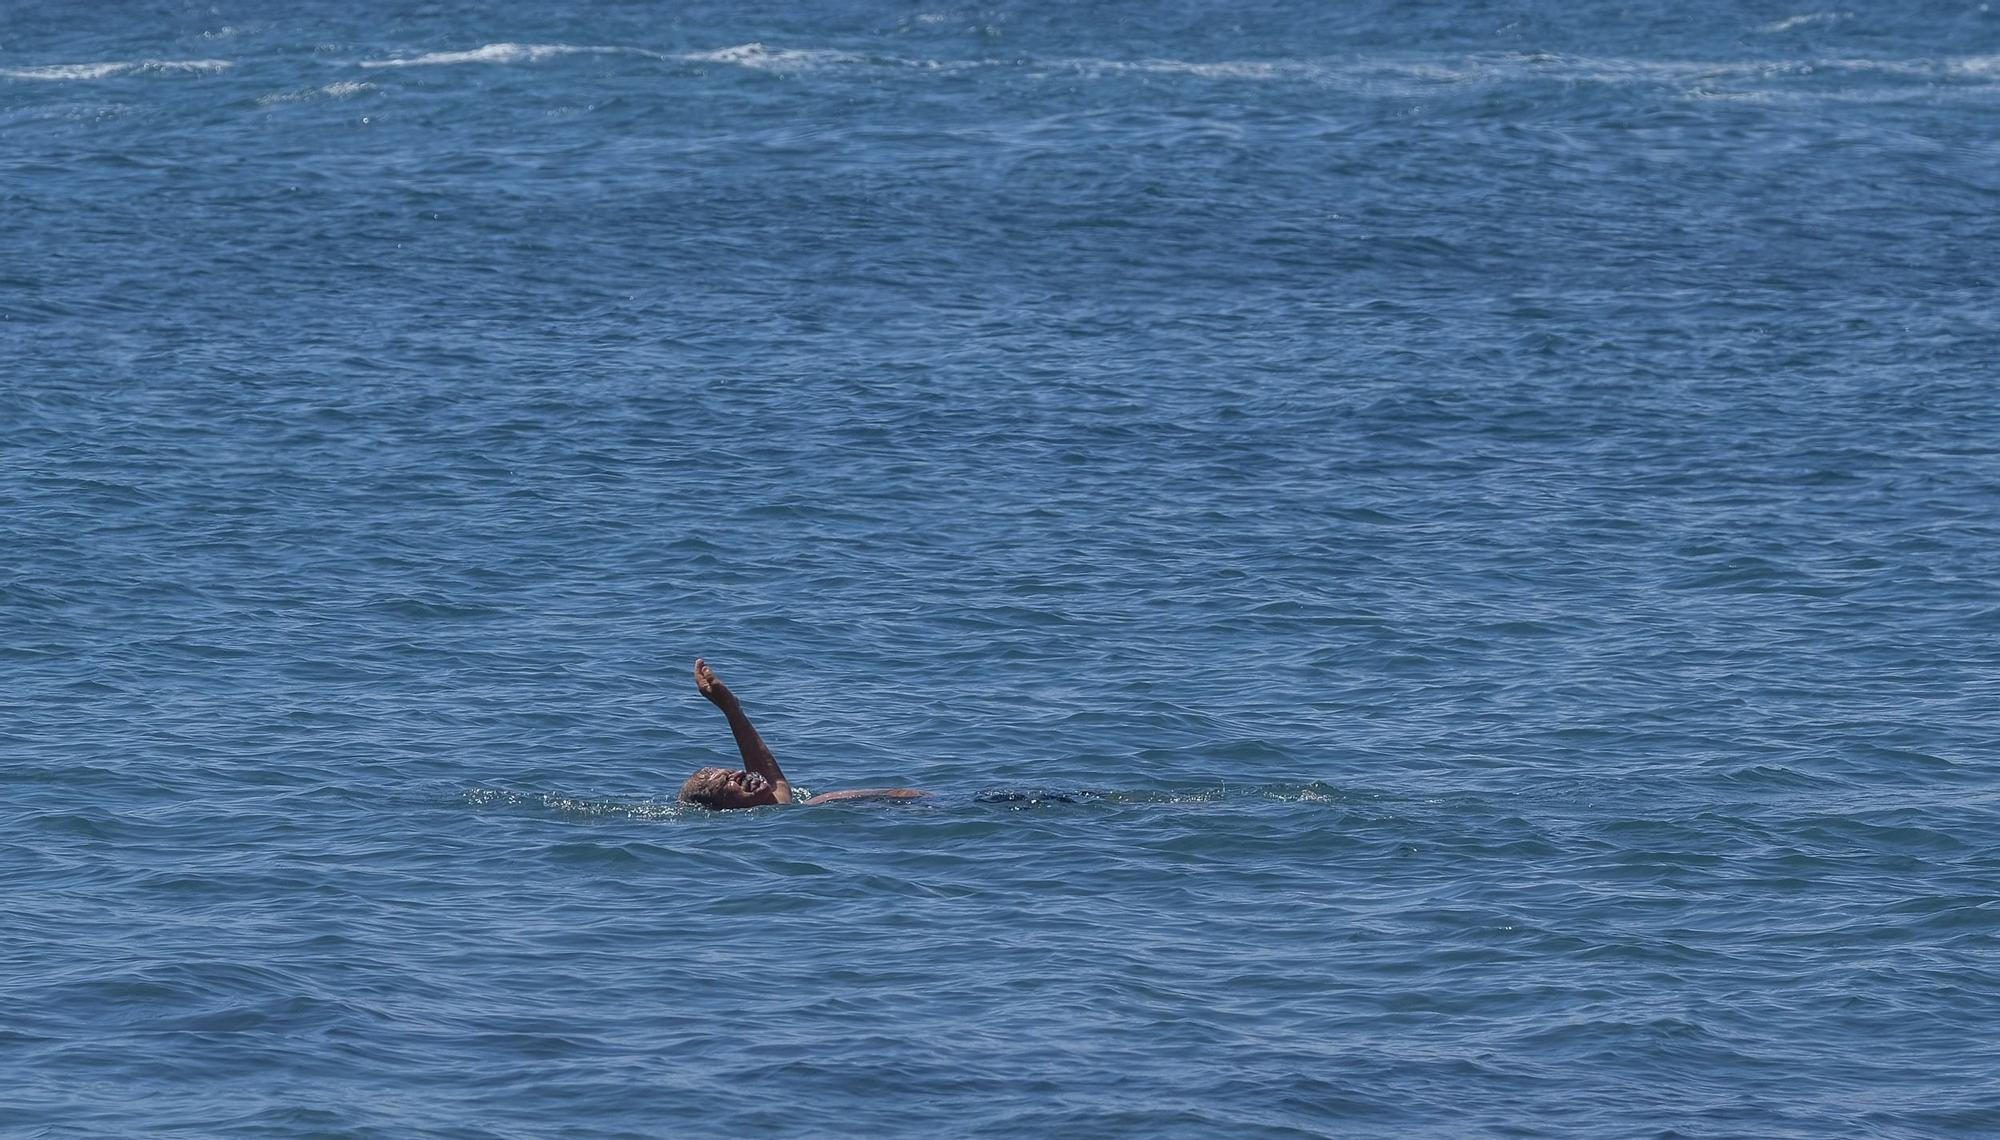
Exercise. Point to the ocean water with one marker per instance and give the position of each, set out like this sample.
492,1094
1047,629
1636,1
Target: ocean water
1442,561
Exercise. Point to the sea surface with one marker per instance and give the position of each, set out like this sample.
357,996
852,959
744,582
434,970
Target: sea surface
1441,561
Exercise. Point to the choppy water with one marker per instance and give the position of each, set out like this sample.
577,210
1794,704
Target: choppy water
1441,560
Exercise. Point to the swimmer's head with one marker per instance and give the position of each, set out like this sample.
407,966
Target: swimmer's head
721,788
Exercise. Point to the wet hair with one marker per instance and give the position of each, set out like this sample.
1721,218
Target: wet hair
719,788
704,786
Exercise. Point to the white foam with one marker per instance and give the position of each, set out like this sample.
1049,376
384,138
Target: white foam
757,57
1397,76
636,809
85,71
1791,23
506,53
1982,66
340,90
1674,73
762,57
1222,69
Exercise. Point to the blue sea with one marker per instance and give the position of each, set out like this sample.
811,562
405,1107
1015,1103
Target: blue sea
1440,560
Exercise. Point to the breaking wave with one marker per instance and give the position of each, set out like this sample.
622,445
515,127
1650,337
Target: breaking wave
105,70
507,53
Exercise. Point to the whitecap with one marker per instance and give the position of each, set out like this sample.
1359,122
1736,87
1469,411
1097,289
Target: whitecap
506,53
76,71
340,90
760,58
1623,71
1221,69
1791,23
1982,66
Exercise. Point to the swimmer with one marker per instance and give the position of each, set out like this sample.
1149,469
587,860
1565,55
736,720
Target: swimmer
760,782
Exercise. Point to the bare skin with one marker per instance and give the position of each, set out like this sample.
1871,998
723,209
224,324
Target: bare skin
761,782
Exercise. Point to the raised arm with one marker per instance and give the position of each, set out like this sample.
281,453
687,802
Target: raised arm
757,756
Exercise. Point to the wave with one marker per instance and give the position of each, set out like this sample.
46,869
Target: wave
1430,73
1410,77
340,90
1396,76
1216,69
757,57
85,71
1009,799
1393,76
1615,70
1507,67
508,53
1810,19
761,57
1978,66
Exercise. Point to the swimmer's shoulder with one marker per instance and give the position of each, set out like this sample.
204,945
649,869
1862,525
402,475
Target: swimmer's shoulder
869,794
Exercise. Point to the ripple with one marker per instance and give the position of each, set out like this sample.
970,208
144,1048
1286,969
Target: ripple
1441,574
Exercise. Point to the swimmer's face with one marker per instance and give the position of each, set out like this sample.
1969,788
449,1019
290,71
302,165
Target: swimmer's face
721,788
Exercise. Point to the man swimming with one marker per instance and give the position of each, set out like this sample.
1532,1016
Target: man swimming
761,781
